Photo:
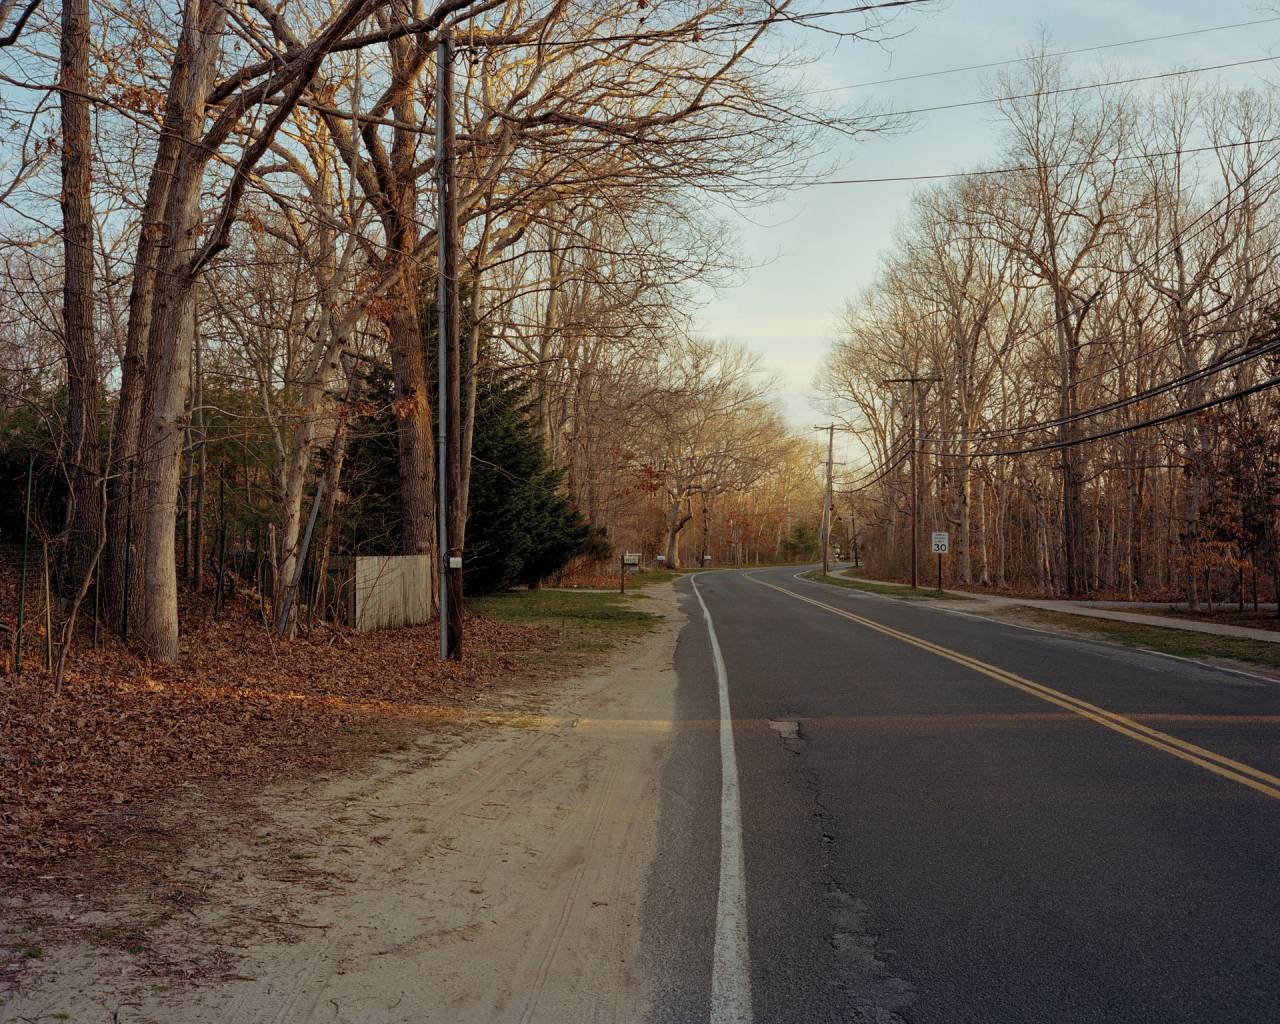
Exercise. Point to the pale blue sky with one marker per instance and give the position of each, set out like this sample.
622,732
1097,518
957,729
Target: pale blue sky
818,246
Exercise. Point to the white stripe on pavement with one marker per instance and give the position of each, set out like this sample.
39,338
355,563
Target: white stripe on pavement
730,962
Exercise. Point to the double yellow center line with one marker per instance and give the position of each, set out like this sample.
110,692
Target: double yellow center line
1209,760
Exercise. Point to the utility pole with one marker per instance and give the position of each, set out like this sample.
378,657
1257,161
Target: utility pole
448,389
853,529
830,428
915,383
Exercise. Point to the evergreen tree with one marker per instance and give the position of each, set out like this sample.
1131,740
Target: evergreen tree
520,527
371,473
801,545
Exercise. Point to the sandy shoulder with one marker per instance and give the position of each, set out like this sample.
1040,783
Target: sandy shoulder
492,874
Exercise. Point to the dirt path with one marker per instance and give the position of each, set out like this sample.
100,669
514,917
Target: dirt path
495,874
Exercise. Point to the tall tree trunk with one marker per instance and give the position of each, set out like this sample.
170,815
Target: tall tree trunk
469,381
294,474
546,340
332,483
84,510
160,462
984,549
186,495
675,523
964,495
172,321
1002,527
414,434
152,237
1069,464
202,467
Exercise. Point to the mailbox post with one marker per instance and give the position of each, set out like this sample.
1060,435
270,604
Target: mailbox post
628,558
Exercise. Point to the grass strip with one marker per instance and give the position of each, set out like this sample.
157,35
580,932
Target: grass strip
596,621
886,589
1165,640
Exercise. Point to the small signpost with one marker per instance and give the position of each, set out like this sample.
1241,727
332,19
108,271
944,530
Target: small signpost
941,546
628,558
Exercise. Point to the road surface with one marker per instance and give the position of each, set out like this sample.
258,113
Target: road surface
909,814
847,808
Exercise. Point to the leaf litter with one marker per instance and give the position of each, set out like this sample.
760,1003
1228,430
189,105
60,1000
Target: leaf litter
242,707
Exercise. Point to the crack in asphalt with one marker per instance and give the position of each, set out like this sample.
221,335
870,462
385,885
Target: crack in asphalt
874,993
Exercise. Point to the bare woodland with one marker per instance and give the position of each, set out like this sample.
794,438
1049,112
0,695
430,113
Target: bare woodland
1092,320
219,220
219,225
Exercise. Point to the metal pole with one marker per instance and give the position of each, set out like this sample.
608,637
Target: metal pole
443,58
22,577
622,574
939,572
453,450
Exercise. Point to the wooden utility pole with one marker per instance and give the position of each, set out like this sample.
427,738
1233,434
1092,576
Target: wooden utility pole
448,389
915,383
853,530
830,428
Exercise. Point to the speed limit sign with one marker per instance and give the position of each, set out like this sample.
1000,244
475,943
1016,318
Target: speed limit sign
941,542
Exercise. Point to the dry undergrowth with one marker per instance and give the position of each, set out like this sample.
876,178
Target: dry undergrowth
79,770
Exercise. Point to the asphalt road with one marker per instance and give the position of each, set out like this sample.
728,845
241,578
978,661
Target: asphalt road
929,835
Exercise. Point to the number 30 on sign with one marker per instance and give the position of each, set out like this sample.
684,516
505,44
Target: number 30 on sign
941,542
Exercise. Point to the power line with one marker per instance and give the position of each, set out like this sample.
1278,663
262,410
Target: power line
1181,238
1058,53
1212,369
1203,330
1027,168
1099,436
1081,88
696,32
1130,427
888,466
1224,363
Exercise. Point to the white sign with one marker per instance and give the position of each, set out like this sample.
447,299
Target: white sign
455,561
941,542
631,558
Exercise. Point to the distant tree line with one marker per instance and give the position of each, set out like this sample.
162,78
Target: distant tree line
1065,313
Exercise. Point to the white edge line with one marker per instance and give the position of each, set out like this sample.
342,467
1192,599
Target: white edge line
730,961
802,577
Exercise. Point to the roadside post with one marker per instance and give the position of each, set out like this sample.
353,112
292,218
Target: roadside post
941,546
628,558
